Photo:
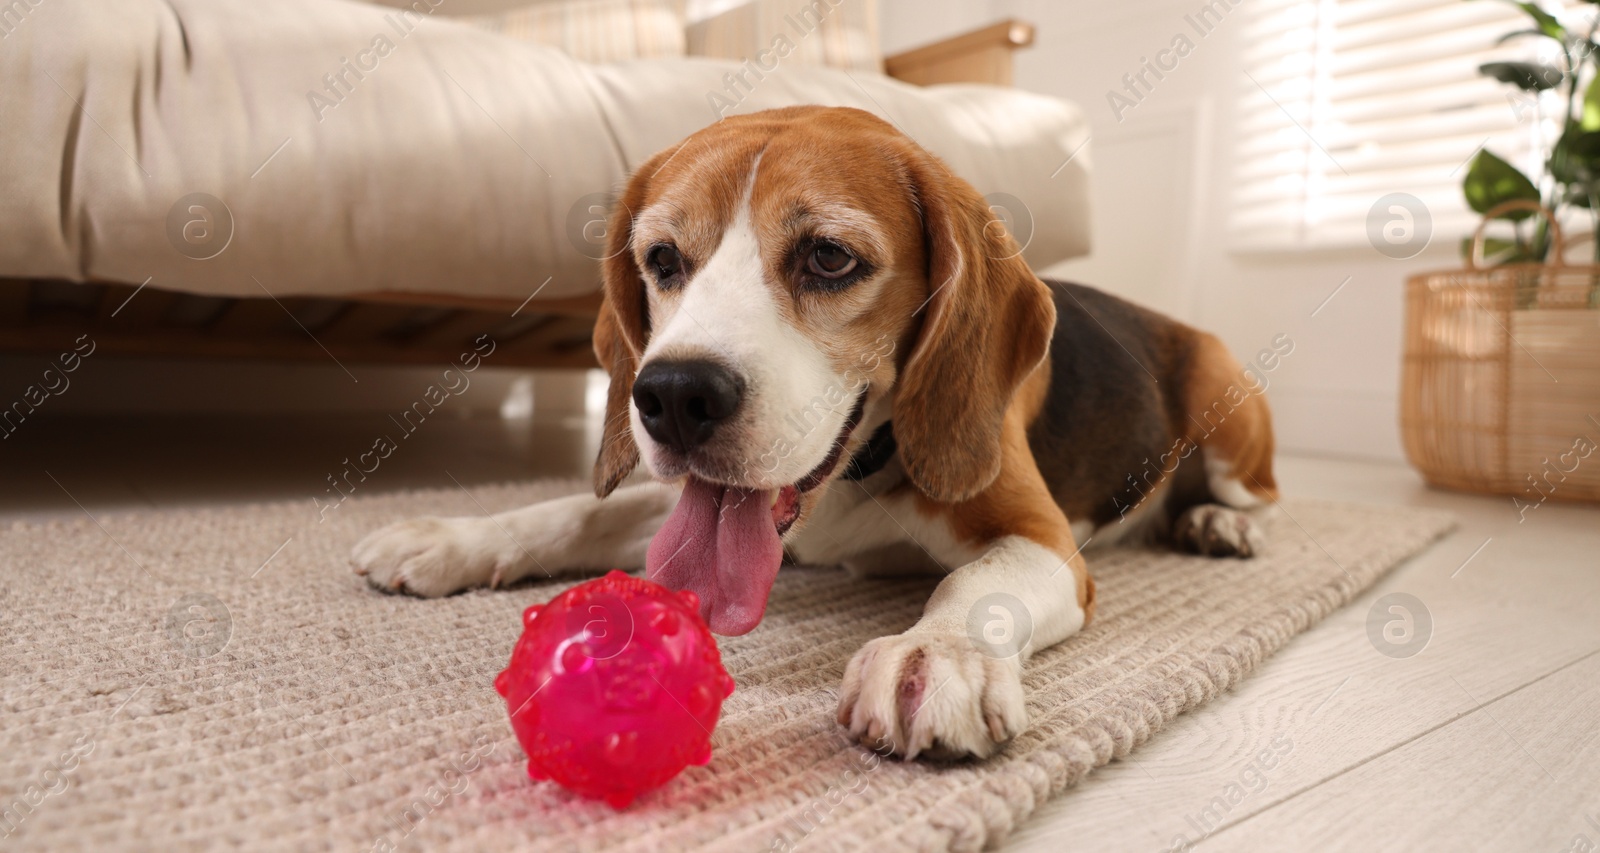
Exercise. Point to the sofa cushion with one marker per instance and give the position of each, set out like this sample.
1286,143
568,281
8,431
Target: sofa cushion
832,33
350,148
595,30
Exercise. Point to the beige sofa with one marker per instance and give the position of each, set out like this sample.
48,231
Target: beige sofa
310,177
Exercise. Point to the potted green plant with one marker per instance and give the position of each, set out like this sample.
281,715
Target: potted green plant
1500,390
1571,177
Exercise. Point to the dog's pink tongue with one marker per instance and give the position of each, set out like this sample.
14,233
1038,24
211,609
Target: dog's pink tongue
721,543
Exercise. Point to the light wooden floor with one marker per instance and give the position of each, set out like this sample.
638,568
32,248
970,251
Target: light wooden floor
1489,739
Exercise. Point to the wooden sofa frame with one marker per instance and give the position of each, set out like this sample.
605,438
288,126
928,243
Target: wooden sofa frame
44,316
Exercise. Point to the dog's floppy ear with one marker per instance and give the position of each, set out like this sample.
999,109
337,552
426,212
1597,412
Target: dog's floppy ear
618,452
621,330
986,326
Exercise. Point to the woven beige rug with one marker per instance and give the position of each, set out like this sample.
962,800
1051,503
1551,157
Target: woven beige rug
182,680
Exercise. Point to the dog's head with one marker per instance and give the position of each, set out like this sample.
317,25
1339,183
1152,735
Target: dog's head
776,287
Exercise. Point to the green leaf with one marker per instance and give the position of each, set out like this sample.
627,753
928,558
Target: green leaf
1527,76
1582,191
1566,165
1591,104
1492,181
1497,251
1575,158
1520,33
1545,21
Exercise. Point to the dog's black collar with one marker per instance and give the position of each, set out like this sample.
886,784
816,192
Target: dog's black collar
875,454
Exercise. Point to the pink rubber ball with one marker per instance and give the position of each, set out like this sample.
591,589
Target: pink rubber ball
614,687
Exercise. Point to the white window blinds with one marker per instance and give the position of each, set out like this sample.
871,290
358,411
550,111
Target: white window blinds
1345,102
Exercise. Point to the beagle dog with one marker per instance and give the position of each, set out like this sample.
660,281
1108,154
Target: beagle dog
822,345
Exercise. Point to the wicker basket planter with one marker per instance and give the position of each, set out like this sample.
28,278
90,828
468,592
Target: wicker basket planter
1500,391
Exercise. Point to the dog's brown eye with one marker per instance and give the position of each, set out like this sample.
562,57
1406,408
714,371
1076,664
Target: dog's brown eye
830,261
665,262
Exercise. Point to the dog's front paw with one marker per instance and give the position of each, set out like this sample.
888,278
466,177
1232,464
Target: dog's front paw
932,694
432,556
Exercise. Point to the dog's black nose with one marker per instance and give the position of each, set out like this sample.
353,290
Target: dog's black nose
681,402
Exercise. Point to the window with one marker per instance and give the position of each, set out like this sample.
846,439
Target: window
1345,102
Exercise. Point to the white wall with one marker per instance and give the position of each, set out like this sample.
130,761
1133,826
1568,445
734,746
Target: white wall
1161,181
904,24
